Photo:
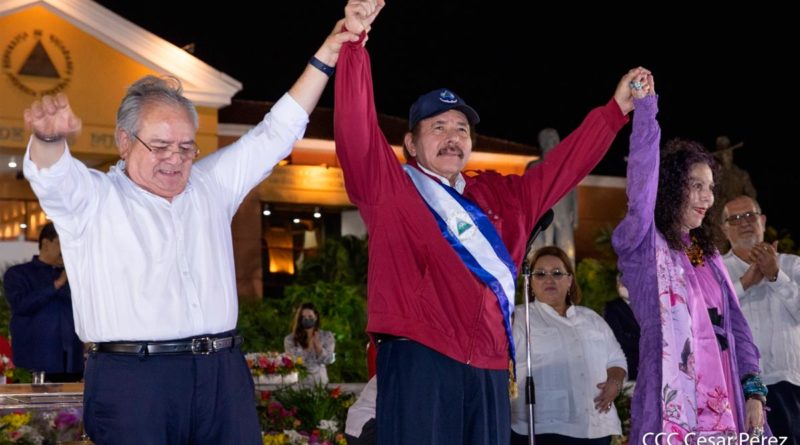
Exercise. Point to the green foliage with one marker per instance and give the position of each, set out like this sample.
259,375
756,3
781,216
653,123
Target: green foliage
598,282
312,405
19,375
295,415
263,325
785,242
342,310
623,405
341,260
597,277
334,282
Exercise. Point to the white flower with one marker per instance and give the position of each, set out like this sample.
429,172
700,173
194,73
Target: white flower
295,438
30,434
329,425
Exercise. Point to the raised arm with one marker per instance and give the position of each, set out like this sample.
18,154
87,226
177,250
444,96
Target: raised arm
309,86
67,190
248,161
51,119
575,157
371,170
642,175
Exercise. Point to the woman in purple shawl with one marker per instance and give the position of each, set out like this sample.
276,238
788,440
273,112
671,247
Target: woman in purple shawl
698,367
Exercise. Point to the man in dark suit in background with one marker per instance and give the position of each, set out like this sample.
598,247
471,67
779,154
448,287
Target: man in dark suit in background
42,329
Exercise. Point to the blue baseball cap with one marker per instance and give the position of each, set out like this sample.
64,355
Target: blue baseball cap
437,102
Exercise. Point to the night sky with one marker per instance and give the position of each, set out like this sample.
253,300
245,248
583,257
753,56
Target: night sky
523,70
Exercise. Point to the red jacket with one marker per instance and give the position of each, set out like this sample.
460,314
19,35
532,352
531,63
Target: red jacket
418,287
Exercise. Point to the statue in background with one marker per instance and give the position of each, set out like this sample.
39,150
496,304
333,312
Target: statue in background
733,181
565,221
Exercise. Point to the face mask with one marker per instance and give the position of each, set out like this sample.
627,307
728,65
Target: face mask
308,323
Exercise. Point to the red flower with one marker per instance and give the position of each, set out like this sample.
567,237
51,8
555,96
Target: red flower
336,392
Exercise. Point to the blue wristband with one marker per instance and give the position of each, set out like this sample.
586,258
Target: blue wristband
320,65
754,386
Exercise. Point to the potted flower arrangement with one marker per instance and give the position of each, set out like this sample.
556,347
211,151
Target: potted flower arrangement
304,415
275,368
40,427
15,429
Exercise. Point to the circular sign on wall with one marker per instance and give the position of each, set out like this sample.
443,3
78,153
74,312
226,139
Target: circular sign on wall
37,63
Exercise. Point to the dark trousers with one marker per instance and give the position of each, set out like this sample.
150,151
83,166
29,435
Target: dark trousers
558,439
783,416
170,400
425,397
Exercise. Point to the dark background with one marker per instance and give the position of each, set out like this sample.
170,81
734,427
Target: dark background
524,66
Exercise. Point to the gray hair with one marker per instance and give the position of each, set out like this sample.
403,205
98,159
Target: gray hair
166,90
725,215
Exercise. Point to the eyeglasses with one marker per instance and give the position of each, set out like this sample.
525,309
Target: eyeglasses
557,274
184,151
735,220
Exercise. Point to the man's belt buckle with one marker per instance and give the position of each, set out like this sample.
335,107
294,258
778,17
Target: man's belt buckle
203,345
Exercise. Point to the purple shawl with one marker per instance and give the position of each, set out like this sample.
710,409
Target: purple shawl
636,240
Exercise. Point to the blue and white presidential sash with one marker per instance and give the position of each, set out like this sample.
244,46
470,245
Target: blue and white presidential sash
475,240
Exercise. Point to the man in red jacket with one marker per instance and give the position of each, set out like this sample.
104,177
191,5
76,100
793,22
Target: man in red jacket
444,249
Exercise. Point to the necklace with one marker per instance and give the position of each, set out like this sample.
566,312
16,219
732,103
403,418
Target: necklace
695,253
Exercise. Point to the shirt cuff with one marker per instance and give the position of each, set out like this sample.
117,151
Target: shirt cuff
783,278
35,175
621,363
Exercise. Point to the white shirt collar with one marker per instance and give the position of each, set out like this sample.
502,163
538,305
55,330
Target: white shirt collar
732,254
460,182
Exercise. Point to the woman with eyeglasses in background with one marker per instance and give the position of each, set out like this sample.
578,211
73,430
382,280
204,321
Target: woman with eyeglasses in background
578,365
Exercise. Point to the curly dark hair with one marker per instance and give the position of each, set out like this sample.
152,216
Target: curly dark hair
677,158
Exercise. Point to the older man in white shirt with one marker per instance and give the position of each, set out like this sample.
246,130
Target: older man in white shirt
768,286
149,254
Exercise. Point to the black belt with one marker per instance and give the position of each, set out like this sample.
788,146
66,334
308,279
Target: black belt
383,338
197,345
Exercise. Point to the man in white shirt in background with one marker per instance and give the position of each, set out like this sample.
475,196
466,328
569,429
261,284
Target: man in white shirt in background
148,250
768,286
360,426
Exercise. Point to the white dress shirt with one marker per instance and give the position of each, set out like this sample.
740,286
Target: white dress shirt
570,356
143,268
460,185
363,409
773,312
